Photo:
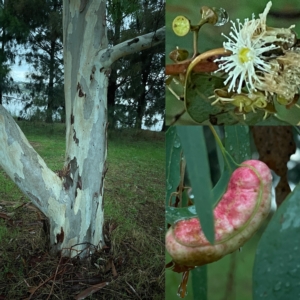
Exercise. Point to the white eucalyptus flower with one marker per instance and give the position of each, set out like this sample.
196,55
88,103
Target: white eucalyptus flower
247,44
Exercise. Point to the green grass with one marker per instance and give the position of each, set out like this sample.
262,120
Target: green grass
133,202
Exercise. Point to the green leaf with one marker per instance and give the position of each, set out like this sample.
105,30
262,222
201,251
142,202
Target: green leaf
198,104
173,150
218,130
221,187
291,116
199,282
195,152
173,214
276,272
237,142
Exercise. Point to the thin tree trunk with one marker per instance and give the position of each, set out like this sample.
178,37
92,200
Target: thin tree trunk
112,86
49,110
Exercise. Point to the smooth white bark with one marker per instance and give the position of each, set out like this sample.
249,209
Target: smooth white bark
73,198
143,42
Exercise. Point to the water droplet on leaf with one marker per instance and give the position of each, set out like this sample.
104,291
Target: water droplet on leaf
190,193
176,143
292,272
223,16
277,286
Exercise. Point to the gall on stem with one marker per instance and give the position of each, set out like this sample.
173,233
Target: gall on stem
237,216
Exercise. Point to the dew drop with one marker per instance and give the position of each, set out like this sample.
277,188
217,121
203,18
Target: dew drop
223,16
176,143
180,292
287,284
190,193
277,286
292,272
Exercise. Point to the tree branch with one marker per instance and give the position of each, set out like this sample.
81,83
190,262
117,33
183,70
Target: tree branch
140,43
24,166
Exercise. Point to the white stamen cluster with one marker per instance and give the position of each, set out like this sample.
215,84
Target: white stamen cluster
248,42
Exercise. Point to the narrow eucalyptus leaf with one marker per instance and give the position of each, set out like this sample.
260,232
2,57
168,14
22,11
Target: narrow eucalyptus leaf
276,272
173,150
194,149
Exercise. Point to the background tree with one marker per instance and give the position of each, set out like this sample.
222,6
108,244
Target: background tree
15,26
135,84
44,54
118,12
10,29
72,198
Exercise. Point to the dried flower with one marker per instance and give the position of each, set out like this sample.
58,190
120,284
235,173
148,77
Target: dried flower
285,78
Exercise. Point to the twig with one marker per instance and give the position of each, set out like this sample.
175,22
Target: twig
176,69
133,290
131,247
41,284
204,63
54,278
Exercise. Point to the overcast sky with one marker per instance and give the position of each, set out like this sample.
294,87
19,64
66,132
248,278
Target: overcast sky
18,73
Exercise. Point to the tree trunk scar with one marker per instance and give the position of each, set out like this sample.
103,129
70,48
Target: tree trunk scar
80,94
105,168
82,5
79,183
76,140
133,41
60,236
92,74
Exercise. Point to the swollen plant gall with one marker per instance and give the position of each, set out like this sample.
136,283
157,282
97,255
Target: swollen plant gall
240,212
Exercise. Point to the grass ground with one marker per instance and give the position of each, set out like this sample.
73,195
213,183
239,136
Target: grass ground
133,261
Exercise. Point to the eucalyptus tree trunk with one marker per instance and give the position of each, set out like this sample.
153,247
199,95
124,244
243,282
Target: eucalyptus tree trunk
72,198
